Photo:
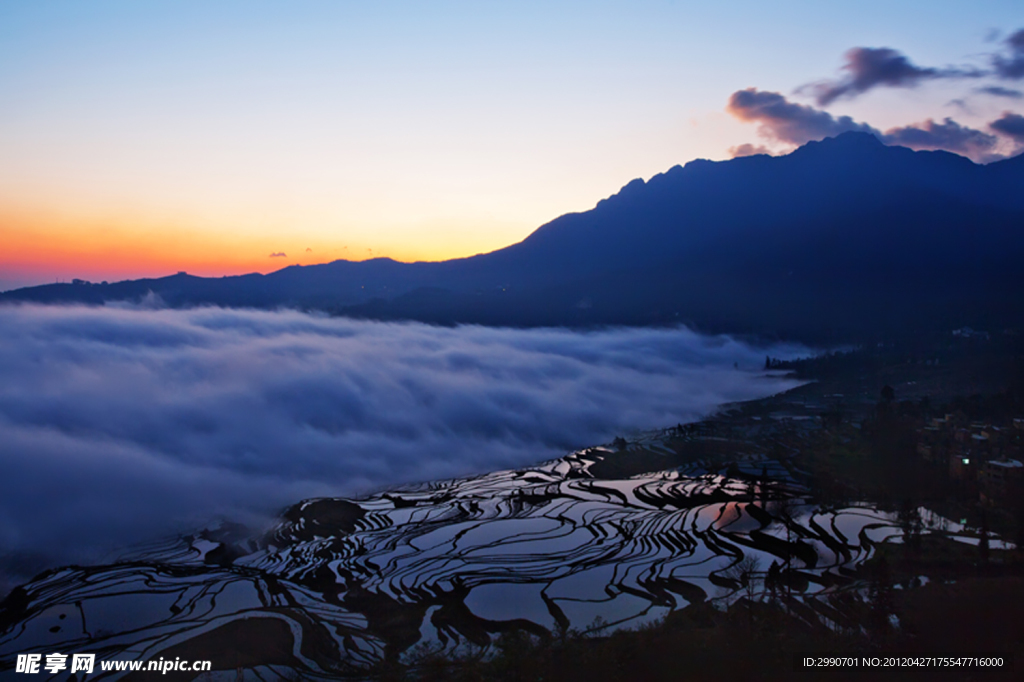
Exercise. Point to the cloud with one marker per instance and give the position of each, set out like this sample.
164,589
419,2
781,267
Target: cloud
867,68
117,425
871,67
279,254
999,91
308,249
961,104
948,135
1009,124
787,121
747,149
1010,64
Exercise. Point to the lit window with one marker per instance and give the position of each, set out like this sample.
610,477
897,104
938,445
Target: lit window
966,460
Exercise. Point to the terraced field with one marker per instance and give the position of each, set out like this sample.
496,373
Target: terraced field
341,584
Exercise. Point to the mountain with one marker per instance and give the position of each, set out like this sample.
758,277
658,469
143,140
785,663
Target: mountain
842,239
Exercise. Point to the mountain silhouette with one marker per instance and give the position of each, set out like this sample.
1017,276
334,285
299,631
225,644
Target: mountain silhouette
842,239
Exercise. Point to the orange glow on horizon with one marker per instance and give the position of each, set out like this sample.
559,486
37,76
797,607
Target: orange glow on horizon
40,247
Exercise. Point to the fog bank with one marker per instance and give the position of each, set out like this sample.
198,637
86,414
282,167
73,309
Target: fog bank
119,425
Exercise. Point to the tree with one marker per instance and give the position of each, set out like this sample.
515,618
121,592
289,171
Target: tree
772,580
785,509
882,597
911,524
749,568
752,490
983,544
1019,516
745,572
764,486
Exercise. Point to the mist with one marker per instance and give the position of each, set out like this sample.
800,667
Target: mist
122,425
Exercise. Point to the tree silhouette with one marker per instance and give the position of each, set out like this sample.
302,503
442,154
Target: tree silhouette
983,543
881,595
772,579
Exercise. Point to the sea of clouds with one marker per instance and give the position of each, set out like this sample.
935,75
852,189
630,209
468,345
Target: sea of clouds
119,425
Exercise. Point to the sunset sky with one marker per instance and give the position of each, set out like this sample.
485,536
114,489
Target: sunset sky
143,138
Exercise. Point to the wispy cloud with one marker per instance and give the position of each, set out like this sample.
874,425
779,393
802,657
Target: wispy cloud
1000,91
867,68
278,254
118,424
1009,63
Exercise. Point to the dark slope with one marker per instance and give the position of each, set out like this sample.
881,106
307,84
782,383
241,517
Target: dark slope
842,239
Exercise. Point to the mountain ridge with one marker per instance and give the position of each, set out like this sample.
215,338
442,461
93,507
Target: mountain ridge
758,244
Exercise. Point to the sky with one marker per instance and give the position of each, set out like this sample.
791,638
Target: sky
123,424
143,139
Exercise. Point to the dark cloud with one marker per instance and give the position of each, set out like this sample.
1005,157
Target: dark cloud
948,135
1010,63
867,68
1009,124
747,149
279,254
870,67
118,424
999,91
787,121
797,124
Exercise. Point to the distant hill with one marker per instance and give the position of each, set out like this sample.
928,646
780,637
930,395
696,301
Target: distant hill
842,239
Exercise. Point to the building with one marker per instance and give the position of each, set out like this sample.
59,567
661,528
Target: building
1000,480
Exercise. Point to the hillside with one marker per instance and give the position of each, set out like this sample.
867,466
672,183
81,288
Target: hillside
842,239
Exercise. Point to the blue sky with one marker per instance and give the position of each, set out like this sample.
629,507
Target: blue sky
145,138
